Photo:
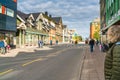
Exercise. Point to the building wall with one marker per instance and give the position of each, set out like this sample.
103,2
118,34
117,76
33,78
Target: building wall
92,30
59,32
102,14
8,10
52,35
8,15
112,12
110,15
94,26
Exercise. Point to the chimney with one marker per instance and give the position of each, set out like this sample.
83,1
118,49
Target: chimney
50,16
46,13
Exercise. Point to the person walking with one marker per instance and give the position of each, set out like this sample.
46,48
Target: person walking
97,42
2,47
91,43
40,43
51,42
5,45
56,42
112,58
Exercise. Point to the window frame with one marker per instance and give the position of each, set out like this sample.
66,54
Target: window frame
11,12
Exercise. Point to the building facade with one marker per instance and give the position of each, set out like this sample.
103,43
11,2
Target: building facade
8,10
95,28
112,12
103,20
65,34
102,14
34,27
30,29
59,28
70,35
111,9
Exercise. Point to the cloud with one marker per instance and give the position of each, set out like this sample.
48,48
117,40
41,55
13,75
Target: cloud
75,13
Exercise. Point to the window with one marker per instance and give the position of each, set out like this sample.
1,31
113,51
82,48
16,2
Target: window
10,12
0,8
112,1
109,3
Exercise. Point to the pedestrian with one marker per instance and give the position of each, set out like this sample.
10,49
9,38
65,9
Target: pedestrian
5,45
42,44
2,47
105,47
100,47
97,42
91,43
86,41
51,42
56,42
8,48
112,58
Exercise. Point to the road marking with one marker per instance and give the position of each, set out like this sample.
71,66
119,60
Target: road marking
39,59
5,72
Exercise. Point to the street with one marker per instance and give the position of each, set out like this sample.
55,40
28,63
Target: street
60,63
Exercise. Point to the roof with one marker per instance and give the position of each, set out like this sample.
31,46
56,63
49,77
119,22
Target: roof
35,15
22,15
56,19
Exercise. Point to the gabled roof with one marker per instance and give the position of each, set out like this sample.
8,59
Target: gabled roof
57,19
22,15
35,15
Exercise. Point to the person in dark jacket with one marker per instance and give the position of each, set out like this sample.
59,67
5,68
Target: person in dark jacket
91,43
112,58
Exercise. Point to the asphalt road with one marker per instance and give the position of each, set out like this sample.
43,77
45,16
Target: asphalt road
60,63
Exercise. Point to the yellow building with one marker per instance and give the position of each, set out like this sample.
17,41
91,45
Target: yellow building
95,28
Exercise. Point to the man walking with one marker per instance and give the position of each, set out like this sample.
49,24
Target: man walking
91,43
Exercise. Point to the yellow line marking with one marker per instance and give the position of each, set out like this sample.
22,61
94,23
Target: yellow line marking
32,62
51,55
5,72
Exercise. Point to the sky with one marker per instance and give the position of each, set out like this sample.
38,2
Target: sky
76,14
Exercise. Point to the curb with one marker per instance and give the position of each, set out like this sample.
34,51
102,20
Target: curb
82,63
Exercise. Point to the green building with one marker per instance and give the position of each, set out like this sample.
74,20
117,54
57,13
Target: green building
109,15
112,12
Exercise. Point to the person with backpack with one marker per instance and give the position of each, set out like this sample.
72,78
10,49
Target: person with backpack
112,58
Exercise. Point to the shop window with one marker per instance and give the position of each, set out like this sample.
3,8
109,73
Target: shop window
3,10
10,12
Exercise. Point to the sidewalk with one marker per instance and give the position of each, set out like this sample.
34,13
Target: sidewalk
15,52
93,65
